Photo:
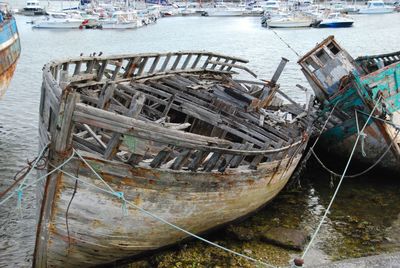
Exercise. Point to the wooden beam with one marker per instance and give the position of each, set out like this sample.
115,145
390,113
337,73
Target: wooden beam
134,111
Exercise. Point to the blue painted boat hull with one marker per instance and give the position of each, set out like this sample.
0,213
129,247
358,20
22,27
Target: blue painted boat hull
336,25
10,50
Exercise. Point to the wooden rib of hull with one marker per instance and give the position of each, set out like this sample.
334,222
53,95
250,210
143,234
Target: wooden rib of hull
100,233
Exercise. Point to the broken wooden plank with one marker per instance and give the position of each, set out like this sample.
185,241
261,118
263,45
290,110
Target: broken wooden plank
161,157
181,159
134,110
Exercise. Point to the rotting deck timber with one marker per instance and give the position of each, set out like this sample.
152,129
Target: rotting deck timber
174,132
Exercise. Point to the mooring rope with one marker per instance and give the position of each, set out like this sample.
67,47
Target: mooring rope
340,182
36,180
19,189
286,43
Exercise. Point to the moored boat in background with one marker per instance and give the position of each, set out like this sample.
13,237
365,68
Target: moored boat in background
335,20
175,134
59,20
121,20
290,21
376,7
223,10
10,47
355,89
33,8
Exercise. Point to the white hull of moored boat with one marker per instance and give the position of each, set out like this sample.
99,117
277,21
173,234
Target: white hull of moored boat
289,24
67,24
384,10
119,25
224,13
376,7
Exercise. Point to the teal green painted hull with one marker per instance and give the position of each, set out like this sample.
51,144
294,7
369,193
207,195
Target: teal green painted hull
361,95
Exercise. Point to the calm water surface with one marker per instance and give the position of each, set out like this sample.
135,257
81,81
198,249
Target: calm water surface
243,37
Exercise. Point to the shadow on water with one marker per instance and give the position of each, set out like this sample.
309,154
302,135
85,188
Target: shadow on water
364,220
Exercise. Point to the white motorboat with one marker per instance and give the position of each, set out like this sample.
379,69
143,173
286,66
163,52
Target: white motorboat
222,10
255,10
59,20
270,5
337,6
293,21
335,20
376,7
33,8
121,20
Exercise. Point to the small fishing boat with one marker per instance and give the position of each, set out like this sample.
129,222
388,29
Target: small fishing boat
335,20
354,89
33,8
270,5
121,20
10,48
290,21
175,135
59,20
222,10
376,7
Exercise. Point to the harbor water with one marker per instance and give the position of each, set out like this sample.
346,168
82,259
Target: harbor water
365,218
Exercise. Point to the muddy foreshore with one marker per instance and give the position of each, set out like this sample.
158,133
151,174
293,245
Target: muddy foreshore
364,221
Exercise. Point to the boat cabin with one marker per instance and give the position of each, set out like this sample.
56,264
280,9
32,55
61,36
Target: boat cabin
325,66
271,5
33,5
4,11
375,4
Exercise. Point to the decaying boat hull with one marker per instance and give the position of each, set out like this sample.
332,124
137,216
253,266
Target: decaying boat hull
99,231
10,50
352,88
5,79
370,148
216,159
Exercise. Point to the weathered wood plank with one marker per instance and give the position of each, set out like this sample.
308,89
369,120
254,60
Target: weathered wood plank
101,70
63,135
257,159
235,162
94,136
186,62
134,110
161,157
165,63
197,160
181,159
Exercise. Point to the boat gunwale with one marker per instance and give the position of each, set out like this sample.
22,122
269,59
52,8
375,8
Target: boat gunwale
53,63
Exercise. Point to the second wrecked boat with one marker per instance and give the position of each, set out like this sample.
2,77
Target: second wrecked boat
352,88
174,134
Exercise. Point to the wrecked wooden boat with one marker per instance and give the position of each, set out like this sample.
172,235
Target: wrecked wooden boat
10,47
179,134
352,88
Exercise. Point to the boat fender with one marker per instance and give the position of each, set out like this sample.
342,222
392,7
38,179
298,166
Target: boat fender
297,262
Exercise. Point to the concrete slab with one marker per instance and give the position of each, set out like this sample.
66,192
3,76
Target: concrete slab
378,261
